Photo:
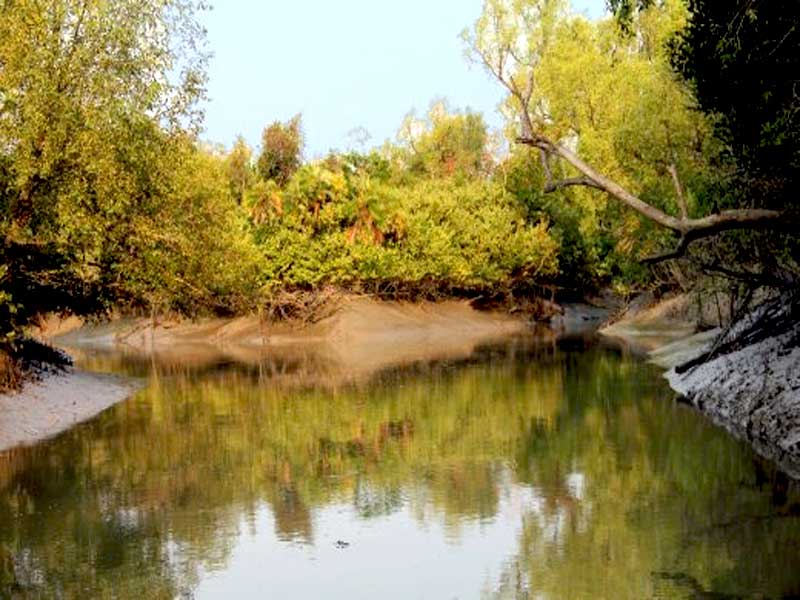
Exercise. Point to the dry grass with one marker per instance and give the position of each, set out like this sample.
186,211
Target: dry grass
306,307
10,373
28,360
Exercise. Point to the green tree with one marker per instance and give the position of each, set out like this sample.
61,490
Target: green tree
91,95
515,41
281,150
446,143
75,75
106,198
239,169
193,253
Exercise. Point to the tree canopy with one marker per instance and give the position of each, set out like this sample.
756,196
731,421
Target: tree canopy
446,143
281,150
99,189
662,121
742,59
515,41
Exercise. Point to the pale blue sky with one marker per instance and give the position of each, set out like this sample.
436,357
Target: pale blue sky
343,64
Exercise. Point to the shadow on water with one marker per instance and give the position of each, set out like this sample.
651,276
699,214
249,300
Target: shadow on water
525,469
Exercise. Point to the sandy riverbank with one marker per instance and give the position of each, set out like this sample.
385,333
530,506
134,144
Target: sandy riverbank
360,338
57,402
355,321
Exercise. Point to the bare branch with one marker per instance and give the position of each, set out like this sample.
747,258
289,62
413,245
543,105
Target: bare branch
552,185
548,173
678,252
501,64
529,90
569,182
515,57
745,218
679,193
751,278
607,185
518,94
690,229
499,71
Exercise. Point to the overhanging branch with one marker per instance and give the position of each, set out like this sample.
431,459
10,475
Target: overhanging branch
558,184
551,184
688,229
678,252
496,62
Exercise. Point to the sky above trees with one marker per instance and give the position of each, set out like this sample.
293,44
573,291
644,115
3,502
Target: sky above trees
344,65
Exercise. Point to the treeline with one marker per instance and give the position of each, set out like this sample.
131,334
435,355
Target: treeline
420,217
108,200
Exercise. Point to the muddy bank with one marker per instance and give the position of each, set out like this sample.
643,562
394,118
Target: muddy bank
751,383
362,337
57,402
745,379
648,323
356,320
359,339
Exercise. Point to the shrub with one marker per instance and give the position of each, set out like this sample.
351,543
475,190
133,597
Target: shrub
344,228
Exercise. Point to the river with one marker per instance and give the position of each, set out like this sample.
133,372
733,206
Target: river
529,469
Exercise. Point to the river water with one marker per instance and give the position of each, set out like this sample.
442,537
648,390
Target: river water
525,470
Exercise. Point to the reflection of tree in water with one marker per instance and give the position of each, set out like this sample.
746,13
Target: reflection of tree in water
173,471
611,486
292,516
371,502
662,508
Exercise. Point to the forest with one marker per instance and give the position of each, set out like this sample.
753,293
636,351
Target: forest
655,149
411,367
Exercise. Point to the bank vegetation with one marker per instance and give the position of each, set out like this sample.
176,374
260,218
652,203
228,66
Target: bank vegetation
656,148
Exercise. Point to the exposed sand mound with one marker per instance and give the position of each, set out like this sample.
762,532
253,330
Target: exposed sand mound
648,323
360,338
357,320
56,403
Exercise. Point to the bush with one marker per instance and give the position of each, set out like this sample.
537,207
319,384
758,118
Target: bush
342,227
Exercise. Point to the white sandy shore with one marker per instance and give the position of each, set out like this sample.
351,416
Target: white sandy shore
56,403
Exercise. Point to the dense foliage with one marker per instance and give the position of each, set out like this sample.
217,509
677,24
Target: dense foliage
612,99
335,223
105,197
108,199
446,143
742,60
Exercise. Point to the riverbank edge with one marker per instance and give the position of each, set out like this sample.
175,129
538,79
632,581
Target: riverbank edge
56,401
348,320
752,392
51,402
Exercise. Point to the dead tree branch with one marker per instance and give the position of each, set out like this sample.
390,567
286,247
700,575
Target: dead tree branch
678,252
500,60
679,193
688,229
558,184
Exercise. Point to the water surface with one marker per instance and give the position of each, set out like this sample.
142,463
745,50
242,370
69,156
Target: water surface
528,470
